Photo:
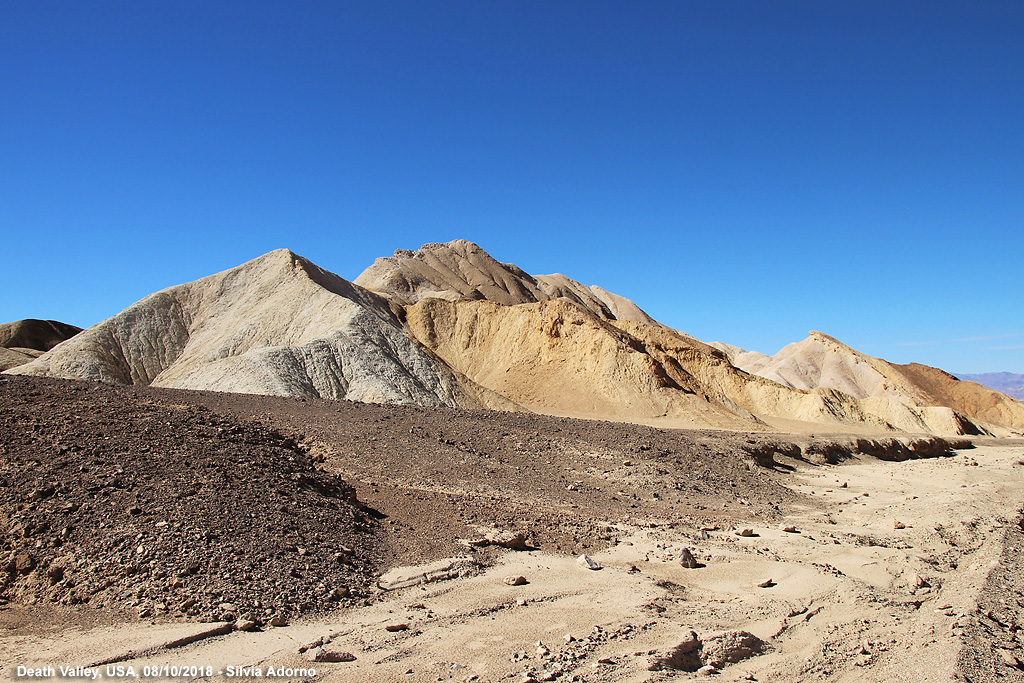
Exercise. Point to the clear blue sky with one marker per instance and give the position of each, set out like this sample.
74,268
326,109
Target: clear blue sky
744,170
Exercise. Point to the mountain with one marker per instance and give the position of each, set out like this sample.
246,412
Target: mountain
462,271
1006,382
822,362
276,325
448,325
23,340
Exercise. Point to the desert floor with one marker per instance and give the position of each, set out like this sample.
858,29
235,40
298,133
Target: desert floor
891,571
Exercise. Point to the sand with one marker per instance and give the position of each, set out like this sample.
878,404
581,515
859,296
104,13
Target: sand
852,598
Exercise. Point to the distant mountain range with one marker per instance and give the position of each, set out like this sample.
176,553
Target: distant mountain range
1006,382
448,325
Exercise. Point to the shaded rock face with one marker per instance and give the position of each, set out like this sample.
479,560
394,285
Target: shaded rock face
39,335
24,340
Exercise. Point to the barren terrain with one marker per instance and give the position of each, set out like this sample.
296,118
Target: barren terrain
895,567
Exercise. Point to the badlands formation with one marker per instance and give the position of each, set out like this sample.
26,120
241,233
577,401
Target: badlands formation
448,325
24,340
182,487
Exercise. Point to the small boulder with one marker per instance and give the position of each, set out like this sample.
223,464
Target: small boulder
245,625
687,559
515,581
588,562
513,540
744,532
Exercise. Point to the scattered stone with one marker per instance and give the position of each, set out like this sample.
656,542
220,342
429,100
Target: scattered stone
707,670
789,528
394,628
338,593
898,525
228,607
744,532
1009,659
245,625
515,580
24,563
319,654
513,540
278,621
687,559
588,562
767,583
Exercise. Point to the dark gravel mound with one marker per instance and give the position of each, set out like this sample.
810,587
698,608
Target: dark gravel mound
111,499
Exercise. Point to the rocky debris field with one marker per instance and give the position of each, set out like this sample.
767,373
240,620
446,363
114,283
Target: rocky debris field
407,543
110,499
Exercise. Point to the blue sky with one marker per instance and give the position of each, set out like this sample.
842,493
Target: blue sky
744,170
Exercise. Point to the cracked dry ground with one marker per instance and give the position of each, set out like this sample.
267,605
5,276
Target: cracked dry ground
243,501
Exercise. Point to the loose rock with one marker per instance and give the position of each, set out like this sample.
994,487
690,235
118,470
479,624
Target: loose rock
687,559
319,654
